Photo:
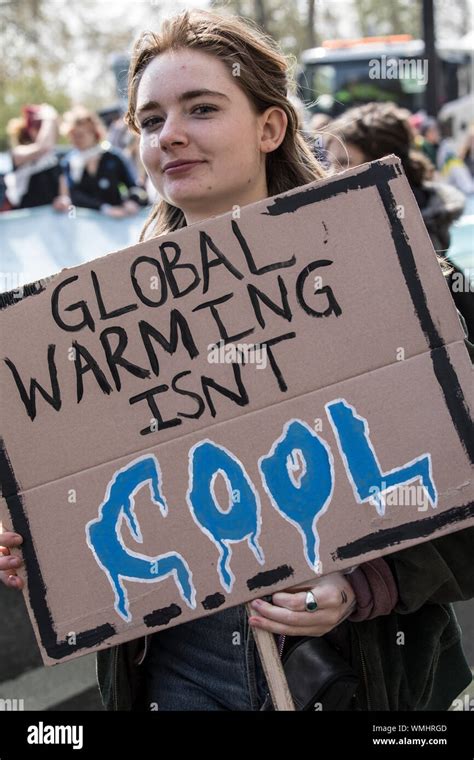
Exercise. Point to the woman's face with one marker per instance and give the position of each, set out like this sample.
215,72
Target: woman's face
217,131
82,134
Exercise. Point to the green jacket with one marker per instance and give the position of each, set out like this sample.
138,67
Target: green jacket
411,659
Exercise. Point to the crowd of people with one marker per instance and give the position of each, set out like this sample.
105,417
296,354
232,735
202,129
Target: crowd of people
91,174
102,169
451,164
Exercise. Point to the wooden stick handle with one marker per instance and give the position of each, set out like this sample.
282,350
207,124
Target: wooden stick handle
273,669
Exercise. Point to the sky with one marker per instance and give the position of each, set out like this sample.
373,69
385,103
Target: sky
80,76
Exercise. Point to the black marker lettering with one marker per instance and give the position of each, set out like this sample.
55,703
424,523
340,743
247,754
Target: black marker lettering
87,319
206,242
282,311
221,327
80,353
333,306
170,266
29,400
149,396
250,260
104,314
191,394
273,364
115,356
148,332
241,398
137,287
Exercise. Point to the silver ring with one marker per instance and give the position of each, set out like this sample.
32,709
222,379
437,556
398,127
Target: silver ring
311,604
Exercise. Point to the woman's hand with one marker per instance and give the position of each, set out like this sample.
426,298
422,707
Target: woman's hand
62,203
9,564
131,207
116,212
287,614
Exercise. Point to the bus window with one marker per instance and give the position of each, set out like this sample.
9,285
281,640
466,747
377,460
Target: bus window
338,86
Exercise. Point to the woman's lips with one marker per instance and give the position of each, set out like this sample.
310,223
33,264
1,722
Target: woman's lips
182,167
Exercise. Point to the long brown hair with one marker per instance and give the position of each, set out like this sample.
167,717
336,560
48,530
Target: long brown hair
378,129
264,77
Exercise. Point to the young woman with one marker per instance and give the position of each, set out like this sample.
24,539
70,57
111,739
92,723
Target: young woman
209,99
96,176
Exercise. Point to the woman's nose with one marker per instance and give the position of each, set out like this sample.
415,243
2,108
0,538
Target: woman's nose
172,132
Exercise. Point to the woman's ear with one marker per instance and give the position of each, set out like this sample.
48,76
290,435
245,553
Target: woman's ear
274,122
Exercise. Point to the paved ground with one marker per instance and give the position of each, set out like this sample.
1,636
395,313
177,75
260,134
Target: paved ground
72,686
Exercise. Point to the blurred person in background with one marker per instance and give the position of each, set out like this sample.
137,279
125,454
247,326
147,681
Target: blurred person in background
416,120
95,175
429,138
466,153
122,139
118,134
126,144
34,178
374,130
450,164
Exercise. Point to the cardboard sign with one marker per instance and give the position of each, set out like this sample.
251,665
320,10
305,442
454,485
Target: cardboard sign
233,409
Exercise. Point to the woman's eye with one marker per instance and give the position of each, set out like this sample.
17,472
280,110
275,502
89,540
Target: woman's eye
154,121
151,122
206,108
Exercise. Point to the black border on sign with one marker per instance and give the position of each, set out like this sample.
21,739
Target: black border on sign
377,175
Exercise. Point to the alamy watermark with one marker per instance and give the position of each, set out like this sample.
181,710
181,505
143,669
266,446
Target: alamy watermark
463,282
42,733
465,703
12,705
413,69
409,495
237,353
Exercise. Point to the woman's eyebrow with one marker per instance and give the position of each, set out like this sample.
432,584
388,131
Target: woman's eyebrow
189,95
